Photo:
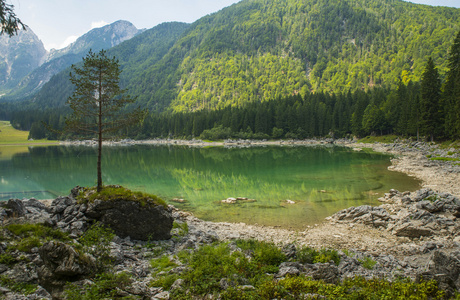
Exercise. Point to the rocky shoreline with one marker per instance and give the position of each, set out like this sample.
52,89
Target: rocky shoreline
411,234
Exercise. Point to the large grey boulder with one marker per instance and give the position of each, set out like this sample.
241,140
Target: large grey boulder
130,218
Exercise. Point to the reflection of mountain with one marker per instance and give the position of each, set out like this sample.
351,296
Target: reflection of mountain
319,181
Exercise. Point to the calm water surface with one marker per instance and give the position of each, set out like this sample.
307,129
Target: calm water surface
320,179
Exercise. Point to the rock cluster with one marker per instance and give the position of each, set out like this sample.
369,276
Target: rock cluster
425,213
405,215
125,218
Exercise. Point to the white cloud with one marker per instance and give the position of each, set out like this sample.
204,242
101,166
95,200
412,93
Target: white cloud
69,40
98,24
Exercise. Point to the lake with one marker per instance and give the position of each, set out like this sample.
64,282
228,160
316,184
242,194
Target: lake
321,180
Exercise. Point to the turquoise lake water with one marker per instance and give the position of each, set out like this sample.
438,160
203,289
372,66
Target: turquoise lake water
321,180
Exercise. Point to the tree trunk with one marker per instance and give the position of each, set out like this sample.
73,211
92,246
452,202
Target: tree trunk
99,148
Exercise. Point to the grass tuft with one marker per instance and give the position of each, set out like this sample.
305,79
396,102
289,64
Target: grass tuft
116,192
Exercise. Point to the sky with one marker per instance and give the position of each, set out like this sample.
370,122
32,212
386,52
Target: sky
60,22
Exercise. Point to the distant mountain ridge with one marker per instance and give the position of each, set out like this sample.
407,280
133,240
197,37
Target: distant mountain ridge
55,61
19,55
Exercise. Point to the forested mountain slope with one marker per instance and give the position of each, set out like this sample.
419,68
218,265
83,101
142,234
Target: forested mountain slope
137,56
258,50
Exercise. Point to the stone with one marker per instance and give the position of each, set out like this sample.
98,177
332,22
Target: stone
327,272
412,231
62,264
289,250
15,208
130,218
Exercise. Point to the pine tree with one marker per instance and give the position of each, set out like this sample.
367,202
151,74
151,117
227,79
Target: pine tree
430,117
9,23
97,100
451,94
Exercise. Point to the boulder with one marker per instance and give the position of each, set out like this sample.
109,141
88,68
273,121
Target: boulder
131,218
329,273
445,269
15,208
62,264
366,214
412,231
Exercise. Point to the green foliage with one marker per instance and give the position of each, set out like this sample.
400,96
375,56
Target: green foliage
264,253
367,262
164,281
7,259
181,229
18,287
311,256
26,244
445,158
116,192
386,139
162,264
105,286
37,230
216,133
96,241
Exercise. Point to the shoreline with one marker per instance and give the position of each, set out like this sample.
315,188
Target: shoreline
345,235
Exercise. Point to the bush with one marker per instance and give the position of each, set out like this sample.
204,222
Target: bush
105,286
216,133
96,241
18,287
367,263
263,252
311,256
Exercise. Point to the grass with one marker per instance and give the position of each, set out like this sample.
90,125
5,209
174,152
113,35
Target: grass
11,136
256,262
116,192
386,139
444,158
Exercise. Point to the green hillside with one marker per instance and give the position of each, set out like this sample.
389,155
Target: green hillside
258,50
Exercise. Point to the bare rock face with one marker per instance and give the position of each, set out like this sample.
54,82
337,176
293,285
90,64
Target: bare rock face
131,218
445,269
62,264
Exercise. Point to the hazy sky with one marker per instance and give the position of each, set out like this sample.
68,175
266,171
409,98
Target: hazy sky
59,22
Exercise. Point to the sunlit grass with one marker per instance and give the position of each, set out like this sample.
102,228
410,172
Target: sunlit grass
11,136
379,139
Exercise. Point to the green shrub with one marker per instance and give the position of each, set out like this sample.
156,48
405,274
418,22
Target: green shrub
311,256
445,158
163,263
37,230
7,259
18,287
26,244
105,286
306,255
181,228
263,252
96,241
367,262
164,281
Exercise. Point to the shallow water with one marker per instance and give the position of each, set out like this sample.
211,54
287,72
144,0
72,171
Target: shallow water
320,179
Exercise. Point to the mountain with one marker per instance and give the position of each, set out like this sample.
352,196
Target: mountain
258,50
57,60
19,55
